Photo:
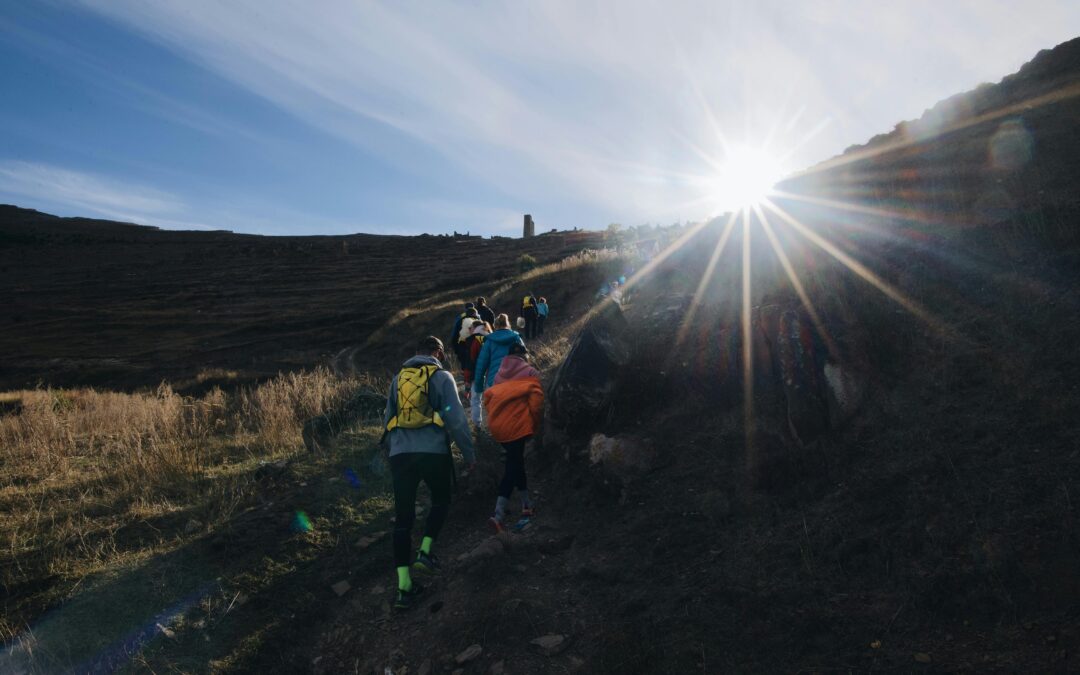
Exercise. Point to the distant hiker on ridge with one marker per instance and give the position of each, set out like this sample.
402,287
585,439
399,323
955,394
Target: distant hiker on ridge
528,312
486,313
541,315
496,346
515,405
423,413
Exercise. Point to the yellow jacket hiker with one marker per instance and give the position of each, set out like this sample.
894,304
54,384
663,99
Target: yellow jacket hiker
423,414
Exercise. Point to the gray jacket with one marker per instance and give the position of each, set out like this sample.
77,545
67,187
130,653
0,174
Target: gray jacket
443,396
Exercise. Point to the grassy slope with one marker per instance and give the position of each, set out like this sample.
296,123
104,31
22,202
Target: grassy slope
244,583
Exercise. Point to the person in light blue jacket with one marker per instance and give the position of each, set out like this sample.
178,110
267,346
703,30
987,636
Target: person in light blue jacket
541,315
496,347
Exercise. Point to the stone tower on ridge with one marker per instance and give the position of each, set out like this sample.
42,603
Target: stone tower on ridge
530,227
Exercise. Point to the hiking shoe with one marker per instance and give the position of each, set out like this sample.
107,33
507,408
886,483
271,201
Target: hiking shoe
409,599
427,563
496,525
527,512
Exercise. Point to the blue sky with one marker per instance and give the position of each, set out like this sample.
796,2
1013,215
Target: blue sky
333,117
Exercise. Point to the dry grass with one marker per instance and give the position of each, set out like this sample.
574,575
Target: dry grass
92,479
548,355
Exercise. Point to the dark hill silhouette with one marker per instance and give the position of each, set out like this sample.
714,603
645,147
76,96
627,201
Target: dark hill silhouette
100,303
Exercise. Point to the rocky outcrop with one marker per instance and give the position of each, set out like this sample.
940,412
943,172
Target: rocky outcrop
622,459
581,393
845,389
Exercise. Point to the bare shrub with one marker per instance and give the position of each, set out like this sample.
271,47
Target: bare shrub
277,409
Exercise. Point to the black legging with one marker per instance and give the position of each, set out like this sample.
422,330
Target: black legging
514,476
529,313
408,470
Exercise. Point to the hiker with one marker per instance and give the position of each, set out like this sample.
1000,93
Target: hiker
423,414
471,316
457,322
478,331
515,405
481,329
486,313
616,293
528,312
496,346
541,315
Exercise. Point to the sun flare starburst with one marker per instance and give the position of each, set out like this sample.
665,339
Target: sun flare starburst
746,177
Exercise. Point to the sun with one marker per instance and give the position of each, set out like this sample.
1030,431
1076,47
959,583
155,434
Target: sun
746,177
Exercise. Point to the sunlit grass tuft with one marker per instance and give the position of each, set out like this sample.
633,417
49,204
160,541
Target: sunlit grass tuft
91,480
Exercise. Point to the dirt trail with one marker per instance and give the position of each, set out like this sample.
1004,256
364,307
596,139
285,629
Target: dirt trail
509,582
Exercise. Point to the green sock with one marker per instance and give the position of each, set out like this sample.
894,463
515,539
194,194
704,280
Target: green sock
404,581
425,545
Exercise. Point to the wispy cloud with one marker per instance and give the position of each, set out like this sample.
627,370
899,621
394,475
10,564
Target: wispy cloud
594,102
93,193
68,191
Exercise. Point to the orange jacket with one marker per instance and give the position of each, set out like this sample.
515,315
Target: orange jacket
514,408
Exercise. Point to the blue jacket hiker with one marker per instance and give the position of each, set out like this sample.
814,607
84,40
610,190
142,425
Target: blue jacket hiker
496,347
541,315
423,414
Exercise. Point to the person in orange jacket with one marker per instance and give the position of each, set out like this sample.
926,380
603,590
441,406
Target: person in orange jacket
515,409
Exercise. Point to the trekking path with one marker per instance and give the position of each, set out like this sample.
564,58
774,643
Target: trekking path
496,595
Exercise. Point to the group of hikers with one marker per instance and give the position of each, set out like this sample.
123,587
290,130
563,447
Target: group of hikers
424,413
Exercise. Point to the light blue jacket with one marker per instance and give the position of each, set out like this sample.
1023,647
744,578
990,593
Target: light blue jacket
542,308
496,347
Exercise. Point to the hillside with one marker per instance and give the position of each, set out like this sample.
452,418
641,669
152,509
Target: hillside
868,460
928,525
124,306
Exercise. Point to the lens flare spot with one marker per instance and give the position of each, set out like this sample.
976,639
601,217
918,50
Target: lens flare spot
301,523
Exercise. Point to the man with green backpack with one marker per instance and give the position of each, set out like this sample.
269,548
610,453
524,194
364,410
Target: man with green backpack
423,414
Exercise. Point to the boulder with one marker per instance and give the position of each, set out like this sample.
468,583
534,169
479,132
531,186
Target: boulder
550,645
584,385
622,458
471,653
845,389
